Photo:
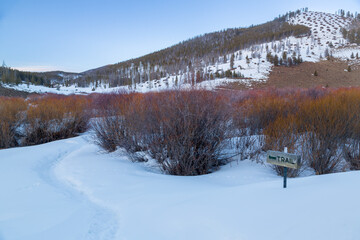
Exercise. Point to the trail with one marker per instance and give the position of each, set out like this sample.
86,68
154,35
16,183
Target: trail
45,206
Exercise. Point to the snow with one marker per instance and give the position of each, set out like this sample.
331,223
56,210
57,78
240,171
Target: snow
62,89
325,27
70,189
345,53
